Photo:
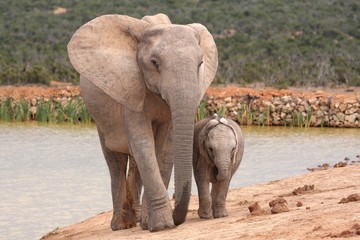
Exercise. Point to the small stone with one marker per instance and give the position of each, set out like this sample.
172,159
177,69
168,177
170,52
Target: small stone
299,204
279,208
304,189
256,210
351,198
340,164
279,200
228,99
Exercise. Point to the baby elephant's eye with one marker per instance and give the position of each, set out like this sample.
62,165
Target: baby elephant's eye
211,149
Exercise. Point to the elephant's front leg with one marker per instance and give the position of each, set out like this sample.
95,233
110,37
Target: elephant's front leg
218,194
163,150
202,178
142,147
123,216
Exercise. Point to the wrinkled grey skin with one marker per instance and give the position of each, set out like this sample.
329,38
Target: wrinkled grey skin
142,81
218,149
133,188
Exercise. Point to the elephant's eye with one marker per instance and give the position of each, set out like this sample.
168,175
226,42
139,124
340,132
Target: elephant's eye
155,63
200,64
211,149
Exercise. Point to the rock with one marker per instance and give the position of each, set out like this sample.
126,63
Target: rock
351,118
256,210
340,164
227,100
279,200
351,198
279,208
304,189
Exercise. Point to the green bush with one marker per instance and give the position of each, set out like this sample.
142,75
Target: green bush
281,43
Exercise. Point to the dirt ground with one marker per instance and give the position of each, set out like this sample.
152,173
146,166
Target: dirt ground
317,205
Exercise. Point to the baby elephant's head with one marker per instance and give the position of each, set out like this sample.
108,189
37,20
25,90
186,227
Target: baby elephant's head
220,145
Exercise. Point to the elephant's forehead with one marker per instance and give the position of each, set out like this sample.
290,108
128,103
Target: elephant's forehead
221,132
172,34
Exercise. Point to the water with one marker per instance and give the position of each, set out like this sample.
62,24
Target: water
52,176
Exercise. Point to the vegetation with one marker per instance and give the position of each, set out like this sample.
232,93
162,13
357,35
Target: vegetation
278,42
73,111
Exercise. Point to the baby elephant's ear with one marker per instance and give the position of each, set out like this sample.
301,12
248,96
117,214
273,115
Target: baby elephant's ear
104,52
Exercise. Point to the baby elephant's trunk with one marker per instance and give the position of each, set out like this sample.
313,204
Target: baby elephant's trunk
223,174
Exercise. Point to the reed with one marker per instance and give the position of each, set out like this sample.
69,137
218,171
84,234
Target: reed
21,111
202,111
5,109
73,111
246,115
299,120
11,110
222,111
84,114
44,111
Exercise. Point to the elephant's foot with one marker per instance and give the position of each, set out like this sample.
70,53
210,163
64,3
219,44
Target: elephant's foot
123,219
160,218
205,212
220,212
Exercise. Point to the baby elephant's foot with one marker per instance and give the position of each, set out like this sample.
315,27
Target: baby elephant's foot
220,212
123,220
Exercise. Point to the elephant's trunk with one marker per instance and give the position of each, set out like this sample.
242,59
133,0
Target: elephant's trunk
183,108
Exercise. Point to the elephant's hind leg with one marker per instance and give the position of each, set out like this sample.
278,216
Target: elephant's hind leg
134,185
123,215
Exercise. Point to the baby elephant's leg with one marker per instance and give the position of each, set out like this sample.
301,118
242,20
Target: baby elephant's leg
203,182
218,194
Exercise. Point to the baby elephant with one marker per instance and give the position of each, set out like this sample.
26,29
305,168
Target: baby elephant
218,149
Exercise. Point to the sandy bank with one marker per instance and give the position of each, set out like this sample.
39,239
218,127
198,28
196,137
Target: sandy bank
314,212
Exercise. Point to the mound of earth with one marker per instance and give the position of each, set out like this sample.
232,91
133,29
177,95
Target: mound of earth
322,213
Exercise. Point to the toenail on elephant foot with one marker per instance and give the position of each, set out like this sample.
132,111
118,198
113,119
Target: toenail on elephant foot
220,213
205,214
160,219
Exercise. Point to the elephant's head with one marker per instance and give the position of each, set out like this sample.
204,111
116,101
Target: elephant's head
218,142
125,57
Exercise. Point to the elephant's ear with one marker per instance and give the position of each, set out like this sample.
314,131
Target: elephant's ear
104,52
210,60
159,18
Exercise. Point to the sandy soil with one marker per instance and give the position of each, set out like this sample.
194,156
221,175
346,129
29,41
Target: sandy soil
317,205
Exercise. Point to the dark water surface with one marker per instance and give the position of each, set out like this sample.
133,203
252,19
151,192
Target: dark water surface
55,175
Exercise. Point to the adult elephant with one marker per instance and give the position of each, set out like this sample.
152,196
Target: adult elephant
142,81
